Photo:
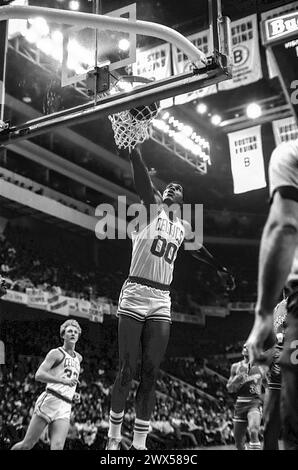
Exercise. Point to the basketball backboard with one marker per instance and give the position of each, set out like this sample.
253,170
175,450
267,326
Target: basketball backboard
71,53
85,48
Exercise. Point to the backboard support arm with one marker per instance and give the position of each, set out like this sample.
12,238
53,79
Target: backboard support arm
112,104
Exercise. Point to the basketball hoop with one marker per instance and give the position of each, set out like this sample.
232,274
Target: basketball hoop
132,126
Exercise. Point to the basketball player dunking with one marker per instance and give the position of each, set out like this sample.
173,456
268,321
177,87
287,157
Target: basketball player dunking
246,381
144,308
60,371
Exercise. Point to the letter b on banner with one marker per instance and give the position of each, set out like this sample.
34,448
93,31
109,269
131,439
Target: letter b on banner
241,54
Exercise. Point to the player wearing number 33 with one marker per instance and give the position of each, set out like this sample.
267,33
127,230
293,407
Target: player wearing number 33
144,308
60,371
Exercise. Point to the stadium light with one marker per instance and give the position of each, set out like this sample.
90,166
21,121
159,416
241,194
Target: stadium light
124,44
187,130
166,115
201,108
27,99
74,5
40,26
216,119
253,111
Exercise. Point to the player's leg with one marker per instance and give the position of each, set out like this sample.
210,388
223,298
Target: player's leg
239,430
58,431
34,431
155,339
289,366
271,419
254,417
289,408
129,336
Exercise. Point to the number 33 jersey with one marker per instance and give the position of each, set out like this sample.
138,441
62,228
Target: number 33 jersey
155,249
68,368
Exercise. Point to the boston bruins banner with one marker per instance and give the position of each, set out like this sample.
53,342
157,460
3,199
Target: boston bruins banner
181,64
246,53
155,64
247,160
284,130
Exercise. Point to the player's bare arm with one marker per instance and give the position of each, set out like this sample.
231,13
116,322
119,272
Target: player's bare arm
43,373
279,241
264,373
77,395
236,380
278,244
143,184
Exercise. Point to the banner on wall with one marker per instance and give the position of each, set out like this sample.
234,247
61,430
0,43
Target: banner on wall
14,296
246,67
37,298
60,307
154,64
242,306
284,130
57,303
96,312
79,307
290,7
214,311
184,318
247,160
182,64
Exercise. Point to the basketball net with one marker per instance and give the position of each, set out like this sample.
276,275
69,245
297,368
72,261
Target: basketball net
133,126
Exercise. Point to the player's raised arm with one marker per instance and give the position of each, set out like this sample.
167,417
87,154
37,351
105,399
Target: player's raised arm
143,184
43,373
278,245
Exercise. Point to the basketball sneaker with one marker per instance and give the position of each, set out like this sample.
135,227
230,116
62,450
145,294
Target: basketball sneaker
254,446
113,444
134,448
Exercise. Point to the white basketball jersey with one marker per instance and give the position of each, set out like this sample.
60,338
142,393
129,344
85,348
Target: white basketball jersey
69,368
155,249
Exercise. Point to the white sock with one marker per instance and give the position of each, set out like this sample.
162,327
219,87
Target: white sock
140,432
254,446
115,424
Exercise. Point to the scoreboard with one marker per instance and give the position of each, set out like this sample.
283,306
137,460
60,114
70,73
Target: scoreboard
280,37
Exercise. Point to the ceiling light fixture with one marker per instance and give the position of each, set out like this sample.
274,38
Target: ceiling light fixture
253,111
